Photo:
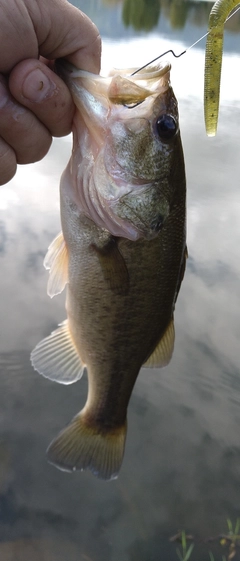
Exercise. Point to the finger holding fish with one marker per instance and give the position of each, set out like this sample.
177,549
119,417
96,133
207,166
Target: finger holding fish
35,103
8,162
35,86
17,129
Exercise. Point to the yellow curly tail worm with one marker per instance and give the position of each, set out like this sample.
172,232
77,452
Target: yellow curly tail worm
213,62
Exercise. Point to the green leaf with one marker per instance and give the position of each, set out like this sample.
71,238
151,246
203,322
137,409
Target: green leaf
237,526
184,542
179,555
189,551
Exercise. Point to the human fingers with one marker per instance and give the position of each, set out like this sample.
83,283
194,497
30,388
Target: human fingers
35,86
8,162
20,130
51,28
64,31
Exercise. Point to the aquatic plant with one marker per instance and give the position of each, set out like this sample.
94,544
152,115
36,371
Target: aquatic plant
185,553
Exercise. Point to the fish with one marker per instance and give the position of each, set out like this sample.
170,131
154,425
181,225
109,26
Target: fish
121,255
213,62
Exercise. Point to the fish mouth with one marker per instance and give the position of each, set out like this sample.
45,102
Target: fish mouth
122,86
151,72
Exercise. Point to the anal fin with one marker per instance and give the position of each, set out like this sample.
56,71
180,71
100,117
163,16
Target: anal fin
162,354
57,261
56,357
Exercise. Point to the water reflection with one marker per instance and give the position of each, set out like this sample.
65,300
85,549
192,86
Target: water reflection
143,14
146,15
182,459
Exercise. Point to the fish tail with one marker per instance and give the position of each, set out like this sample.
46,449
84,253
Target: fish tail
83,446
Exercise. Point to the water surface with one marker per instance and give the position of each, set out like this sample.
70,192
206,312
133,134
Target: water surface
182,462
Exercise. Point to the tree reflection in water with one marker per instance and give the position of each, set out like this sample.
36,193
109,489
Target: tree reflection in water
143,14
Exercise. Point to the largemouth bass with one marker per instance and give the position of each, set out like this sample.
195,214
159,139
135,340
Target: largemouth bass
121,254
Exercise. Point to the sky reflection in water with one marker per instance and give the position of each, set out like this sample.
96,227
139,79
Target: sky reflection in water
182,461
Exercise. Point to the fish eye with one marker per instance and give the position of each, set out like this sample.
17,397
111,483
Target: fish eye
166,127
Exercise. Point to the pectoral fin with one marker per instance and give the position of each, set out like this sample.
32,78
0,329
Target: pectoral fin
113,266
57,261
162,354
56,357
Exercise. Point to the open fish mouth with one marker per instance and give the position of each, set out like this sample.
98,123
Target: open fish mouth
149,73
122,86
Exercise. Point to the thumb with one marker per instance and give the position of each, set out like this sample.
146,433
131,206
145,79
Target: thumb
68,32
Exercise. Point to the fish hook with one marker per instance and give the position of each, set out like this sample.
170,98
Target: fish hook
154,60
145,66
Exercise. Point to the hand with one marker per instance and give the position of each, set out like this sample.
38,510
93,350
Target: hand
35,104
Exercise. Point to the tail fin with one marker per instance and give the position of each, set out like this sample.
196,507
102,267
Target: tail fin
80,446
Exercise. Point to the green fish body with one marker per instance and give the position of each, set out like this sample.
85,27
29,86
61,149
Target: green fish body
121,254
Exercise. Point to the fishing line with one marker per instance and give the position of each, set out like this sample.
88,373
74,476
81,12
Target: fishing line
183,52
154,59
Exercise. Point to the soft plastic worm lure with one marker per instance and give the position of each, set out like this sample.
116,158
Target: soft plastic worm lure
213,62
